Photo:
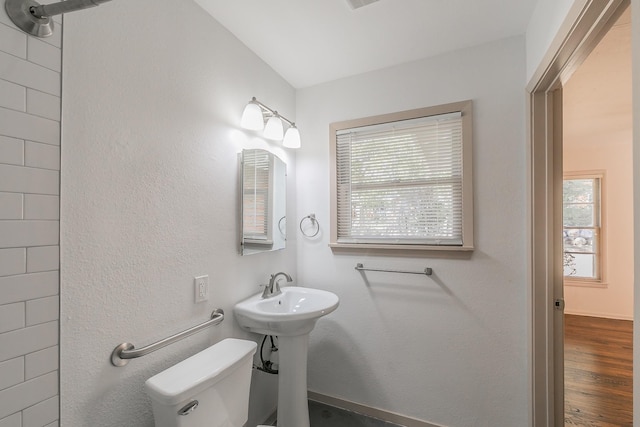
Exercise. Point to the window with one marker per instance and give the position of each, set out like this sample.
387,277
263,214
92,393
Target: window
582,230
403,180
256,203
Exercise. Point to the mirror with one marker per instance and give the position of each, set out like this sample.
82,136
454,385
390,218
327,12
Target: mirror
263,183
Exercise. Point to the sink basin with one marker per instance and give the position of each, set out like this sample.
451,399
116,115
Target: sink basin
293,312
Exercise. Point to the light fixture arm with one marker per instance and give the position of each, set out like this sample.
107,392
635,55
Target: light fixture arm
272,112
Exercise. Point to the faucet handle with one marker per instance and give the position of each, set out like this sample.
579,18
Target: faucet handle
265,292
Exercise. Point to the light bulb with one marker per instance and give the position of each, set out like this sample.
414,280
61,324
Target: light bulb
292,138
273,130
252,117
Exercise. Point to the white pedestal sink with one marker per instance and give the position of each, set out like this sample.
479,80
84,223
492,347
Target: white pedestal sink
290,316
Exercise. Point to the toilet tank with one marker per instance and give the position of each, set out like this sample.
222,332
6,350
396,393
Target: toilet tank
218,378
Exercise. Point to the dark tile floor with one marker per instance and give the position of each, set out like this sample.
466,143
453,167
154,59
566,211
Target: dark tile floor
321,415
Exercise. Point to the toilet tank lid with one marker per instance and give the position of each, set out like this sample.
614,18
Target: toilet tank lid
199,372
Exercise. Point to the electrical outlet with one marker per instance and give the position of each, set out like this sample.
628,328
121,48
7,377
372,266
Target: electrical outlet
201,284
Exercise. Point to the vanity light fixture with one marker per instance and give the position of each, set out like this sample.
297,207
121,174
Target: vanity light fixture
274,129
254,116
292,138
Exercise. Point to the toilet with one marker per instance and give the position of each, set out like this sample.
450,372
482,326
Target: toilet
209,389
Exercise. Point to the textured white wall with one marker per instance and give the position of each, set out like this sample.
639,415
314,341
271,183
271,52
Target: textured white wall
152,96
450,349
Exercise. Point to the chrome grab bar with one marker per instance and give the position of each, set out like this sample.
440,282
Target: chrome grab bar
125,351
427,271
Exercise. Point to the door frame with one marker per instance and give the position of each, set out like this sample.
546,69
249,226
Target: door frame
575,41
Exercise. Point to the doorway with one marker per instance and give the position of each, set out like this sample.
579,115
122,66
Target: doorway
597,228
545,191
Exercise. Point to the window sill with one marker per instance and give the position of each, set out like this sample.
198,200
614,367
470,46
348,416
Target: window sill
382,249
585,283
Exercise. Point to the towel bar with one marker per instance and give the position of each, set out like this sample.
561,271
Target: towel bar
427,271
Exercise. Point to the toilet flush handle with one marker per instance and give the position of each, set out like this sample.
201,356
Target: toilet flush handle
188,408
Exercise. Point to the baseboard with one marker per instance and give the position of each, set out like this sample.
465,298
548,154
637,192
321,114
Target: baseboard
369,411
603,315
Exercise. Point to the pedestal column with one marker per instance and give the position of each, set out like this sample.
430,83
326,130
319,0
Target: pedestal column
293,408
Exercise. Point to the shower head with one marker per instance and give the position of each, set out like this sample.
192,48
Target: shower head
35,18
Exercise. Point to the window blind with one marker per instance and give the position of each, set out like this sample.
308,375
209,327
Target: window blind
255,208
401,182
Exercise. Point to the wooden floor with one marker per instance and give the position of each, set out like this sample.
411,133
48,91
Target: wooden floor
598,372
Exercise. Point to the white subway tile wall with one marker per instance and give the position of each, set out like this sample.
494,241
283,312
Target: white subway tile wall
28,74
11,149
29,226
11,206
14,420
11,317
28,286
28,393
42,310
42,104
43,156
28,180
13,42
13,95
44,54
43,258
11,373
40,206
41,413
41,362
13,260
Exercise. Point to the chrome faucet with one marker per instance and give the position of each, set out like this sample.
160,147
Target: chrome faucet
273,288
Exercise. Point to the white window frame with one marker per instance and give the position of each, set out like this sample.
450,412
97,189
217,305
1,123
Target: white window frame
463,107
600,254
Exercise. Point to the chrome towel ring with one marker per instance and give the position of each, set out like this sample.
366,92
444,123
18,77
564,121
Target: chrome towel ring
282,226
314,223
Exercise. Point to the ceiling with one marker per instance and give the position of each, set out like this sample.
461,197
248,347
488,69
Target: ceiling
309,42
